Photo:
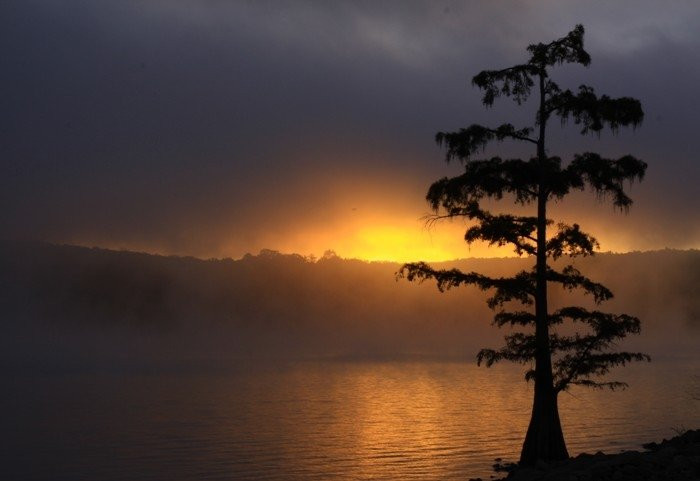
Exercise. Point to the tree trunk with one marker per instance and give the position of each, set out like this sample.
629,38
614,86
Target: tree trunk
544,439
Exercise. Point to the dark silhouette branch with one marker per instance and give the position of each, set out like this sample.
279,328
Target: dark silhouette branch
515,82
465,142
517,288
520,318
571,241
593,113
568,49
492,178
571,278
505,229
605,176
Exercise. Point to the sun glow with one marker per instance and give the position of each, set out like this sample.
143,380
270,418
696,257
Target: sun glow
361,220
399,240
396,242
381,243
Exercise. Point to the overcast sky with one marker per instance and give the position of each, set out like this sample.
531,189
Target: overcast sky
216,128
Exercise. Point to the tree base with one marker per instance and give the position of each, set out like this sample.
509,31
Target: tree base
544,440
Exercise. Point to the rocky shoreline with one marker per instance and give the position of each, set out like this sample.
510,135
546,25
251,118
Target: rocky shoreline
676,459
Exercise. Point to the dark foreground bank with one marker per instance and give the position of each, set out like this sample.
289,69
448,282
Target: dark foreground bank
677,459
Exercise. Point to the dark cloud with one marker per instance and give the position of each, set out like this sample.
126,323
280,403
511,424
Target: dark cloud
216,127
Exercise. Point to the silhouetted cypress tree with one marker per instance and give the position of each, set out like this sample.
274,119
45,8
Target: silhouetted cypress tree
559,360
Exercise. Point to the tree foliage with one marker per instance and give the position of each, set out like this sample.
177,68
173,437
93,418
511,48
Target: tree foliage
560,361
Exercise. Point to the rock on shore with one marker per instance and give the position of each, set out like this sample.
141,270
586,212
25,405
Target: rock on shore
676,459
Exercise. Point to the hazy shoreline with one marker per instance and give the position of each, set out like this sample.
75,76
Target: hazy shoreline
60,301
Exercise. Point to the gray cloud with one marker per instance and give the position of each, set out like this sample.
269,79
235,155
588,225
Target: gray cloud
196,127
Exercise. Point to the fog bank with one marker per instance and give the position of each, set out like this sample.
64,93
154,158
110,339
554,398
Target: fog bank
83,307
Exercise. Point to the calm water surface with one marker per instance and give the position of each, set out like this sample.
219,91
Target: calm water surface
315,420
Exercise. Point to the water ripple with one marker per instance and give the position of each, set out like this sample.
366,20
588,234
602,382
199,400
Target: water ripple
308,421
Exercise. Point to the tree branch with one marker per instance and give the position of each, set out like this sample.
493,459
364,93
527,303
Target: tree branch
467,141
520,287
593,113
491,178
604,176
513,82
571,278
570,240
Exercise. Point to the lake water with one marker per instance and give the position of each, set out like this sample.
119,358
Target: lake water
315,420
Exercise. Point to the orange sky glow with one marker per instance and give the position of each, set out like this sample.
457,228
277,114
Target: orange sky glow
379,218
368,223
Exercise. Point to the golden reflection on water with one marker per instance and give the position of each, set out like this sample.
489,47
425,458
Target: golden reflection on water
318,421
435,420
417,420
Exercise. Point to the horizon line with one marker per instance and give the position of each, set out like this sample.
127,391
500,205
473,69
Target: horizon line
309,258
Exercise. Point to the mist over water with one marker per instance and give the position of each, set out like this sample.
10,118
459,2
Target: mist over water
90,306
129,366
